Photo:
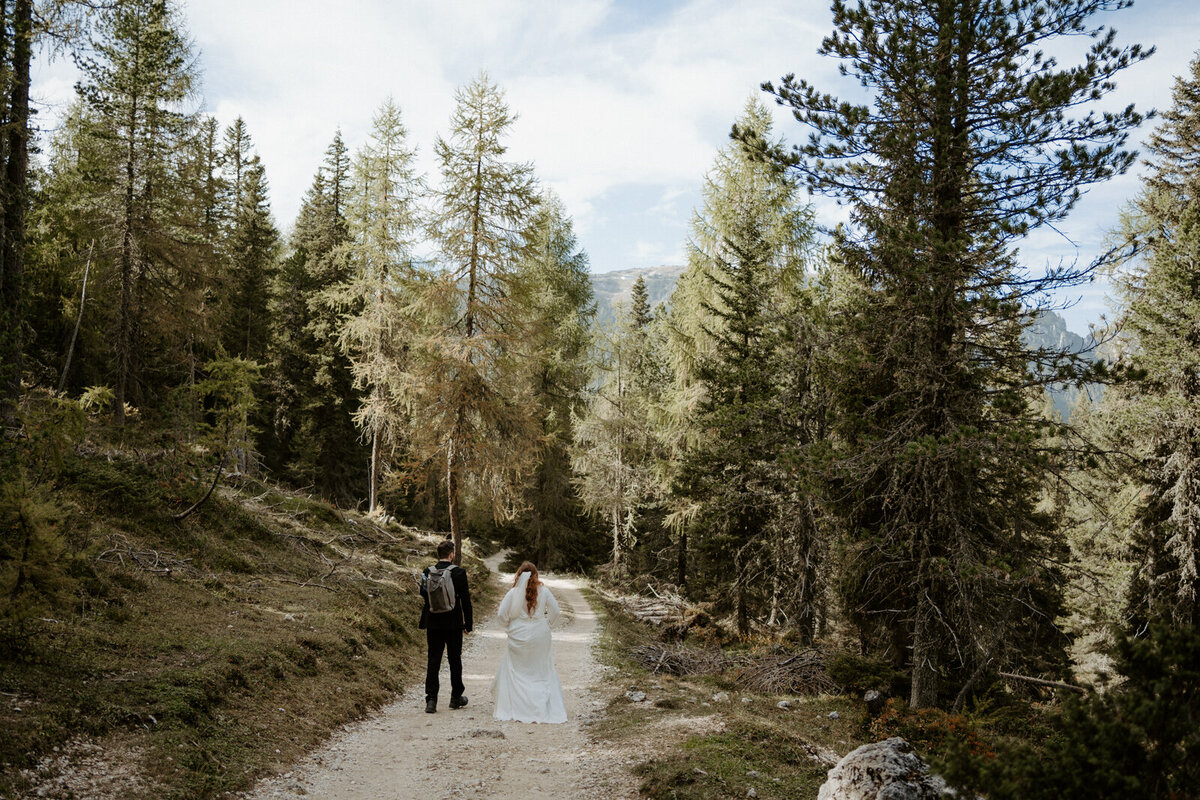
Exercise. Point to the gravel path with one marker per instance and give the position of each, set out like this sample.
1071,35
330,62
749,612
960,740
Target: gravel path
402,753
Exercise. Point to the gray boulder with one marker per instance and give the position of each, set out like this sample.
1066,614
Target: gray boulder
887,770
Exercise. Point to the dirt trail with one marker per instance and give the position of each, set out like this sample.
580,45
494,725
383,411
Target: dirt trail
402,753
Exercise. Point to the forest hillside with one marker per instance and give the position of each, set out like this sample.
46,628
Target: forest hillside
181,658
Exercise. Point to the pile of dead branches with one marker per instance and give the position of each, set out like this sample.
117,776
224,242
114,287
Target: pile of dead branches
680,659
153,561
665,609
788,673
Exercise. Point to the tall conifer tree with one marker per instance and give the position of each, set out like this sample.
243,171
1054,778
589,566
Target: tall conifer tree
383,221
135,84
317,441
557,292
475,419
1159,414
973,138
752,230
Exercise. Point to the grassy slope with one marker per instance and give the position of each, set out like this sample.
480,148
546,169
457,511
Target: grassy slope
280,620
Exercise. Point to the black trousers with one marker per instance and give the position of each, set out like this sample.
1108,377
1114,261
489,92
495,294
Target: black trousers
451,641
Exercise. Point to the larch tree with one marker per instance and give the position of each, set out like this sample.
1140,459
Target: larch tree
972,138
615,447
475,419
556,291
135,81
384,220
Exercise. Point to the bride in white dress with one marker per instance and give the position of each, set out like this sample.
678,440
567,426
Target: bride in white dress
527,688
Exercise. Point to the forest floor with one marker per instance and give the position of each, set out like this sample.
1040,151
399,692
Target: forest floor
402,752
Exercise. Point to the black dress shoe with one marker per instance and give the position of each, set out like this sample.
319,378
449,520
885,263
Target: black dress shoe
431,706
458,702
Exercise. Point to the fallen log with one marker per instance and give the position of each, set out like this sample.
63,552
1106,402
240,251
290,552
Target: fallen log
1042,682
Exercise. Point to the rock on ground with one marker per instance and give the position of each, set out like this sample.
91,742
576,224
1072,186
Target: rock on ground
887,770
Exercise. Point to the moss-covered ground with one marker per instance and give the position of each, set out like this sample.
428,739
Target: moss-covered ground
211,650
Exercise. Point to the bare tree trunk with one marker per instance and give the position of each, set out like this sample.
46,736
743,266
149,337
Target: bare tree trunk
616,533
681,566
925,653
373,490
125,310
12,275
62,381
452,500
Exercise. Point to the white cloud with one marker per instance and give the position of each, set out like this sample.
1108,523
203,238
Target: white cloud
611,95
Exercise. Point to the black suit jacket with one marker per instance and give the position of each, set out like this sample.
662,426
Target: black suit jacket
457,618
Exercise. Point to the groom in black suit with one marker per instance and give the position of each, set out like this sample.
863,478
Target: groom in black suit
445,631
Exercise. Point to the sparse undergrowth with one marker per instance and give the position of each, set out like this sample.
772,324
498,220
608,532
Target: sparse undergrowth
210,651
695,747
692,746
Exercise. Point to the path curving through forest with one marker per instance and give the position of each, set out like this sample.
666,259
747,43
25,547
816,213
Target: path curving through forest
402,753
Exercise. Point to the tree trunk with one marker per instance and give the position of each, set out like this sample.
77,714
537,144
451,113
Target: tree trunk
452,502
125,310
743,612
12,274
681,566
926,654
373,489
616,539
62,381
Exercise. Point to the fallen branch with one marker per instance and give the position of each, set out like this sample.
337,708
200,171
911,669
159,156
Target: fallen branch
1043,682
180,517
306,583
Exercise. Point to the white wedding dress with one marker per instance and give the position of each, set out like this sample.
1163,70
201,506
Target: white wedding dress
526,687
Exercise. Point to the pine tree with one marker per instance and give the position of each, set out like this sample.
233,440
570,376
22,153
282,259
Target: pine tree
135,83
640,303
937,476
383,221
753,228
317,442
727,472
1159,413
15,58
248,246
557,291
474,419
206,212
253,245
236,157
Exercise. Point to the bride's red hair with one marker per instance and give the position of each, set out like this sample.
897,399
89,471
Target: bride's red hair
531,588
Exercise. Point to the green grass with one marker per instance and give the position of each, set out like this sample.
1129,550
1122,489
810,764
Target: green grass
283,603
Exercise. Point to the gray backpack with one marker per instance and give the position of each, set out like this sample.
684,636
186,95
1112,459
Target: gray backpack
439,588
